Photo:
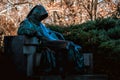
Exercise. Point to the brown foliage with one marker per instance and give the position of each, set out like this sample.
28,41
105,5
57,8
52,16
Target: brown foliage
61,12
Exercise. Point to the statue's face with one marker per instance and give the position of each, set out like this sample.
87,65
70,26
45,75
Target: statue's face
43,17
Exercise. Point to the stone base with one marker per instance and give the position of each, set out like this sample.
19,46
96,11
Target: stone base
71,77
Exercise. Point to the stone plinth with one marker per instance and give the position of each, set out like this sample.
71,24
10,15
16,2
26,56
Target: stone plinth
21,50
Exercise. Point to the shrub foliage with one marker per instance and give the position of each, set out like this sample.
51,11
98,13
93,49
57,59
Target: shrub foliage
100,37
94,35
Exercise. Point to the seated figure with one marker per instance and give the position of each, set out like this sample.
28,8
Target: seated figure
56,51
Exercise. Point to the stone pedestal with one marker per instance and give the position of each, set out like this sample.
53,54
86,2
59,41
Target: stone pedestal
38,58
72,77
21,50
88,62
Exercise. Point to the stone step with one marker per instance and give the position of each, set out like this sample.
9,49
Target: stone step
87,77
71,77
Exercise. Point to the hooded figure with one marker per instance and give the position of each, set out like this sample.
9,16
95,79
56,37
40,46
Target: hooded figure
32,26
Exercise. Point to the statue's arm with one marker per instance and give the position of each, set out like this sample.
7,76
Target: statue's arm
59,35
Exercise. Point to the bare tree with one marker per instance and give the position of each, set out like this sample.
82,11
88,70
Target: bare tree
91,7
11,16
118,9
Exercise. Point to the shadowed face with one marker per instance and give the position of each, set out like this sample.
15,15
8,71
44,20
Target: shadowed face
38,12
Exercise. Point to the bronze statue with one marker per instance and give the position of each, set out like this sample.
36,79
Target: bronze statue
57,52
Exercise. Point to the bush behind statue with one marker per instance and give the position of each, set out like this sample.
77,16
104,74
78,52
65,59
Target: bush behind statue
101,37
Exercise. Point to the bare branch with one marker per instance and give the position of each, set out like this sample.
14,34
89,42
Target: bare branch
10,2
23,3
86,8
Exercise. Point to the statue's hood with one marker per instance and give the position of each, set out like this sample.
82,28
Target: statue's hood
38,13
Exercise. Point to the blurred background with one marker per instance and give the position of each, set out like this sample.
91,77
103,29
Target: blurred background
93,24
61,12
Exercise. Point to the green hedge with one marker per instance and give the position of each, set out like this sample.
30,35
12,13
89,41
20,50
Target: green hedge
93,35
100,37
